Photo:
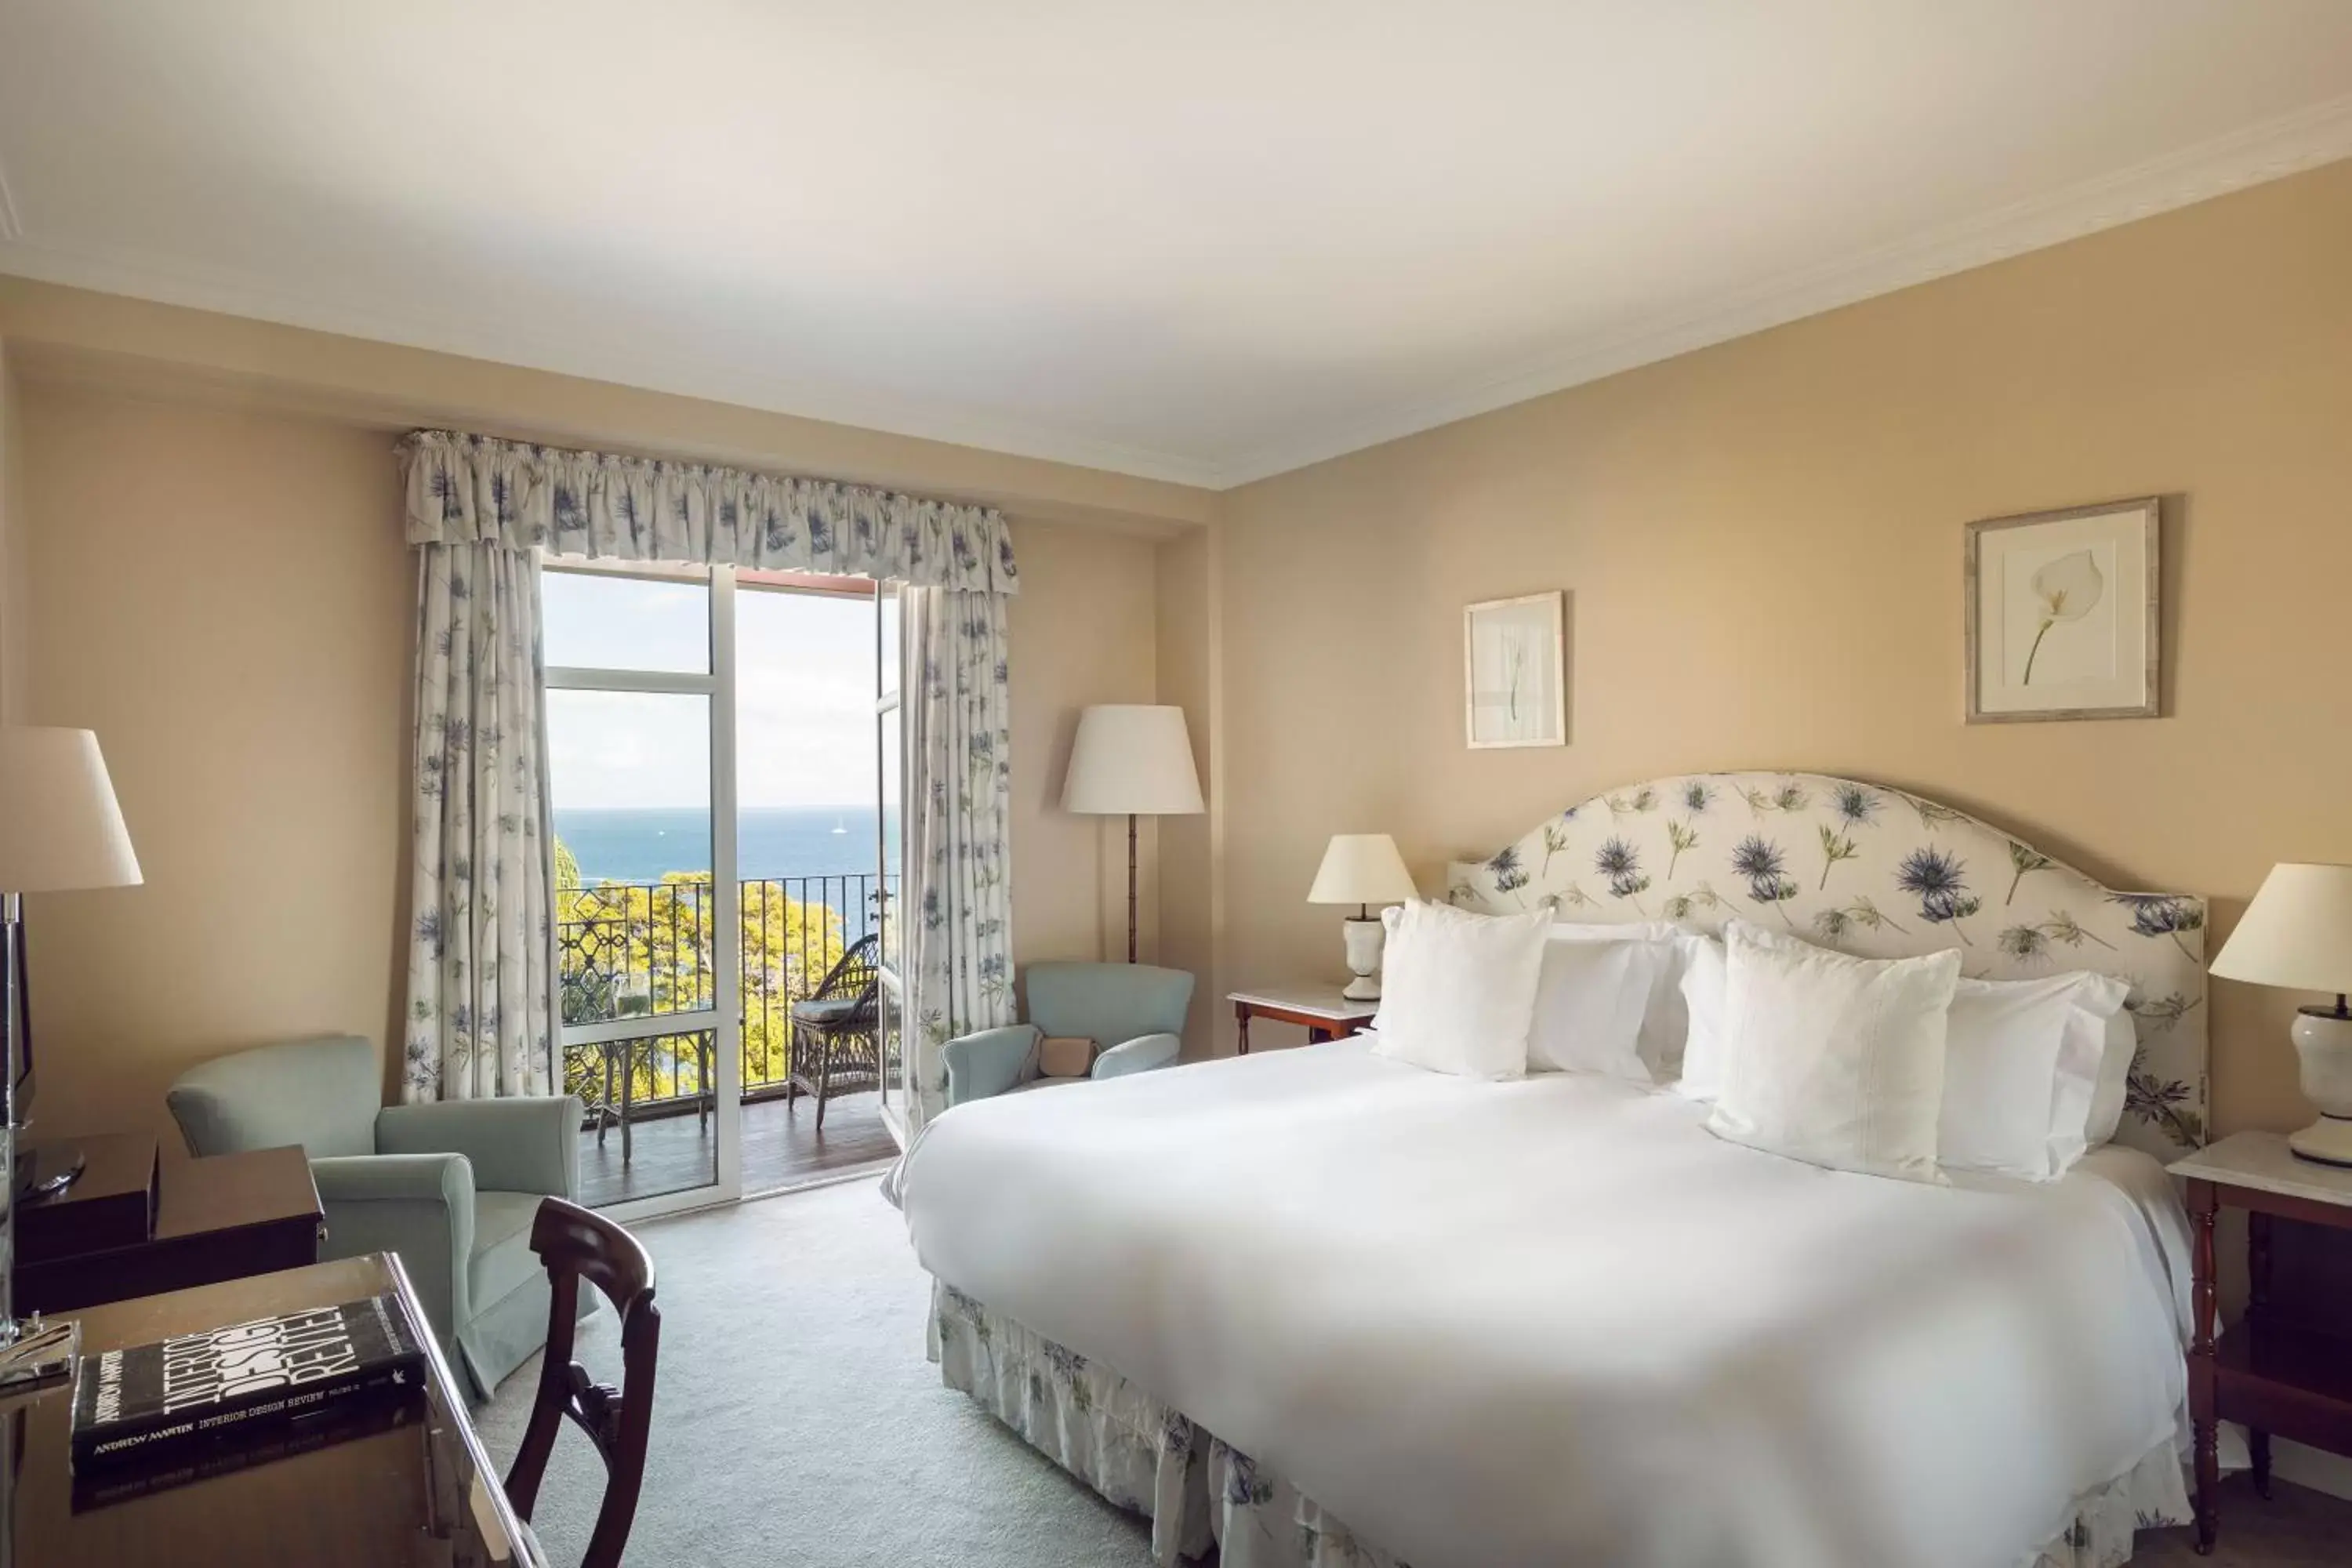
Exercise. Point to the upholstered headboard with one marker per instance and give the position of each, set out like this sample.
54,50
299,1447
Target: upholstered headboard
1882,874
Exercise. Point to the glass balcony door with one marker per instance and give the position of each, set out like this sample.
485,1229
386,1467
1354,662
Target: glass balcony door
814,895
641,732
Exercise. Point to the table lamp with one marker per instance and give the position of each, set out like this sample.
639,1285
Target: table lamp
1131,759
60,831
1362,869
2298,933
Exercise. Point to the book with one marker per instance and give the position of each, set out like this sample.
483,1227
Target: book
247,1380
164,1469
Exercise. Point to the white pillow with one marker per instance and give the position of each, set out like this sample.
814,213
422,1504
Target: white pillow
1833,1060
2020,1064
1593,996
1458,990
2122,1044
1701,991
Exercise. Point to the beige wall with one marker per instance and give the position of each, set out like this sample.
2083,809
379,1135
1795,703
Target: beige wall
224,598
12,509
1185,618
1081,631
1762,542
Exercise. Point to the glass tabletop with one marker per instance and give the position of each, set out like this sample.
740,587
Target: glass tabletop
410,1487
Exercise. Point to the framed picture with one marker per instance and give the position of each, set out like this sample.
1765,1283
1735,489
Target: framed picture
1512,653
2061,615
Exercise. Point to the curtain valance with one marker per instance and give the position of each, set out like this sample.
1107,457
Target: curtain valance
466,489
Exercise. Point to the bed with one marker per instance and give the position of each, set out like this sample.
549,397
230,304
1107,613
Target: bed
1318,1306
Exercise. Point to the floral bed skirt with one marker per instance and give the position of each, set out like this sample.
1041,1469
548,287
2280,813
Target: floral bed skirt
1199,1491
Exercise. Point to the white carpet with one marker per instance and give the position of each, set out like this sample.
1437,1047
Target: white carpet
796,1420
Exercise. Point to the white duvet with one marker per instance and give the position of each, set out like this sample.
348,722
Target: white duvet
1556,1321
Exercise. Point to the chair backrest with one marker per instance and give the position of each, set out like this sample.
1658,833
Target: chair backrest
1109,1003
852,974
578,1243
322,1094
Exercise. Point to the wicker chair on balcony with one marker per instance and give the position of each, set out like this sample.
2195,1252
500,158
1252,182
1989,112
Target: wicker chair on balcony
836,1031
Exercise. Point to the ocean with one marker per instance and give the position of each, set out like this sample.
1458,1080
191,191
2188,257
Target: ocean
642,844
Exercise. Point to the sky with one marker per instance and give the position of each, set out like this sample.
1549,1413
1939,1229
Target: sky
804,695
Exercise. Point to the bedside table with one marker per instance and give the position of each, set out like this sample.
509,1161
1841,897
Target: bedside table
1321,1010
2277,1376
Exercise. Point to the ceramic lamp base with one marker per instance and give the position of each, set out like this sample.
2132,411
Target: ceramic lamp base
2327,1142
2322,1038
1364,938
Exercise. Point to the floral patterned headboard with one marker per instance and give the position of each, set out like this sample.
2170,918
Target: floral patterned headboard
1879,873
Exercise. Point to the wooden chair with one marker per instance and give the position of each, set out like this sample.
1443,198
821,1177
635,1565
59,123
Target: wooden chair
836,1030
577,1244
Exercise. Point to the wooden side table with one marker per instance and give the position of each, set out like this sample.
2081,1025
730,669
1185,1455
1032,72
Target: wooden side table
1321,1010
2279,1376
223,1217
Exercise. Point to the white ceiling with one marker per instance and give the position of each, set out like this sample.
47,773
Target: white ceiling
1203,241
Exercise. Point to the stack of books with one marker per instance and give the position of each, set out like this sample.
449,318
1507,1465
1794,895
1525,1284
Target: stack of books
198,1405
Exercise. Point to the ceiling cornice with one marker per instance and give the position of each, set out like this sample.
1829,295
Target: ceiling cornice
120,270
2290,144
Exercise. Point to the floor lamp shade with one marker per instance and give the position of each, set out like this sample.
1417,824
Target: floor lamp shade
1131,759
61,829
2297,934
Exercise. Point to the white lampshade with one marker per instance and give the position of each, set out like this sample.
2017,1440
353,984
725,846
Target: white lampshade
1362,869
1131,759
2296,934
59,828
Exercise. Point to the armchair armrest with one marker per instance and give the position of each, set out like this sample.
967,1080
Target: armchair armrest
418,1205
1141,1054
431,1178
988,1062
528,1145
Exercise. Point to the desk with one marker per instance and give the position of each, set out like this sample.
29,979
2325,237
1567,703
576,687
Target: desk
421,1494
220,1218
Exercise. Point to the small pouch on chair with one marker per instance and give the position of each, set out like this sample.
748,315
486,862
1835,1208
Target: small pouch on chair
1064,1055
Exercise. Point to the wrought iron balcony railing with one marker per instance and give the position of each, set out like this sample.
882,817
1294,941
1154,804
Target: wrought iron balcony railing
627,951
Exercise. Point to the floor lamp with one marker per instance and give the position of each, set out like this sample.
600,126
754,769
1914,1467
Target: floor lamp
60,831
1131,759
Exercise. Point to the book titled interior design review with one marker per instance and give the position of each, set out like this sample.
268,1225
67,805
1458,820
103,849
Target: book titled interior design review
254,1377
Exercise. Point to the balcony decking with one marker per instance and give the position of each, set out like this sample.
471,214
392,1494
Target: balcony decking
781,1147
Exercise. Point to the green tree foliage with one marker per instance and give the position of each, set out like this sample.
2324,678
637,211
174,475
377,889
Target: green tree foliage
628,949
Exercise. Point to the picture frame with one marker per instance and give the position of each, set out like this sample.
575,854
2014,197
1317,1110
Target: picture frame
1514,672
2062,616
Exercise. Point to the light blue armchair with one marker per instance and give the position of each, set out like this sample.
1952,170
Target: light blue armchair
1136,1011
451,1187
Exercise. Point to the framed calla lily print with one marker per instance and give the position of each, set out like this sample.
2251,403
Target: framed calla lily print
2061,614
1515,691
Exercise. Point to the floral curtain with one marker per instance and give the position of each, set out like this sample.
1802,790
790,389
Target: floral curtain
463,489
480,958
959,943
